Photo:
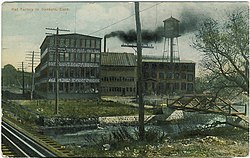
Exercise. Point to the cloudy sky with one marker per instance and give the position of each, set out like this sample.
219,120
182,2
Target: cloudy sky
23,24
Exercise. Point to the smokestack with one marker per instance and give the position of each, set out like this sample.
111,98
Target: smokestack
104,47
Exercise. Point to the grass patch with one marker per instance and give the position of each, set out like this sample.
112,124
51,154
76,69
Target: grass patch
82,108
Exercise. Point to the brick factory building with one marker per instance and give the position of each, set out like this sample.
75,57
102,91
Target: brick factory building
161,77
79,67
118,74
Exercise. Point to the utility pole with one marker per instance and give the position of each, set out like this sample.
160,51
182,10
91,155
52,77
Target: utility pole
23,77
57,73
21,69
32,71
139,72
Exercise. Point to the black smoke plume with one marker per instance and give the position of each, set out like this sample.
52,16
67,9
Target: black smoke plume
191,20
130,36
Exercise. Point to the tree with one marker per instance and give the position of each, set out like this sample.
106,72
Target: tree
9,74
225,49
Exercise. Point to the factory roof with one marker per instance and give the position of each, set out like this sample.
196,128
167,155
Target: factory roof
118,59
71,35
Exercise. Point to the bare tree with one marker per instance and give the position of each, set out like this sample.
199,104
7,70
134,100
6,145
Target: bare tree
225,50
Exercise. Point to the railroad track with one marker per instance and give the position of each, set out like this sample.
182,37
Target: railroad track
15,124
21,145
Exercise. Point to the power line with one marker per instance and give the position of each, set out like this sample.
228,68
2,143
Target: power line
123,19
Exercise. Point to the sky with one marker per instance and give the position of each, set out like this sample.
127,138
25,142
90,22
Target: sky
23,23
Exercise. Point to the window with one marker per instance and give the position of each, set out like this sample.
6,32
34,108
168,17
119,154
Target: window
184,67
161,86
98,44
183,76
83,57
176,86
61,43
146,74
51,72
72,43
66,87
177,76
82,72
154,75
72,56
61,58
190,87
177,67
168,86
52,56
190,68
61,86
92,57
87,72
154,66
83,44
66,73
78,57
87,57
77,43
72,72
161,75
97,58
51,42
190,77
67,42
61,72
183,86
92,43
66,56
78,72
93,72
161,65
169,75
77,87
71,87
87,43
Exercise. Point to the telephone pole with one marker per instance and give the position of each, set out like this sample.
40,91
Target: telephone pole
57,73
139,72
23,77
33,61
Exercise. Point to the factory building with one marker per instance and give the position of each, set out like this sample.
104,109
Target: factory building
78,67
118,74
161,77
168,74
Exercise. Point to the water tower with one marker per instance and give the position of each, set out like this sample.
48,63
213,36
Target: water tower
171,34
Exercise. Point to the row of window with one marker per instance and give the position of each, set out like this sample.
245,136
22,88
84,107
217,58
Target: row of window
176,86
76,72
176,76
118,79
75,57
169,75
168,66
76,43
74,87
123,90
